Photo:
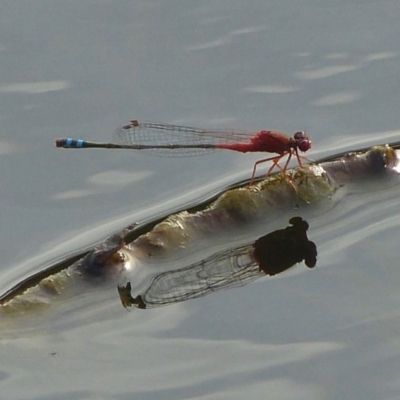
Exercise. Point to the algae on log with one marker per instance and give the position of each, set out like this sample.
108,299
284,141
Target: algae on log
301,186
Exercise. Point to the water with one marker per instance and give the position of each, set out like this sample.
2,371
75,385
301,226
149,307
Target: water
81,69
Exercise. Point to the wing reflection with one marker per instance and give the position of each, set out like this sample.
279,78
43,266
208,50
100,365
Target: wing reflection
269,255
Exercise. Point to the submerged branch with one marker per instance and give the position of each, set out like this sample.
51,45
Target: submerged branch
300,187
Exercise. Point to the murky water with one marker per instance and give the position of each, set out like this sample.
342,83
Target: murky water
80,69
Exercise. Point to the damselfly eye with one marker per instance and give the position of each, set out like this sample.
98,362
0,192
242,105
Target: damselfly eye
304,145
303,142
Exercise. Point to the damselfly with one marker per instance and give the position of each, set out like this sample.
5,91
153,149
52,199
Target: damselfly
176,140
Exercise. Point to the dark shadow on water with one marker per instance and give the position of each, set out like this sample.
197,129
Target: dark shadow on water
270,255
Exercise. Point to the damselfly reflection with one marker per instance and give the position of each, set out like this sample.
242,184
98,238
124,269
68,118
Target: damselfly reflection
269,255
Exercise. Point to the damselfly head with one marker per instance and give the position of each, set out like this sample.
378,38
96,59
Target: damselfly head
302,141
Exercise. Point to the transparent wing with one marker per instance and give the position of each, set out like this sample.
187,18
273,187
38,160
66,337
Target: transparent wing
154,134
228,269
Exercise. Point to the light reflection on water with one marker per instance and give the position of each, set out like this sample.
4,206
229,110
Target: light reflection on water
360,224
292,329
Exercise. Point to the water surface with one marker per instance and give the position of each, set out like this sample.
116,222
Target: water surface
81,69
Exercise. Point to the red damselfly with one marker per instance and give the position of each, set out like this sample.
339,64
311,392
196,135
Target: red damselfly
176,140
